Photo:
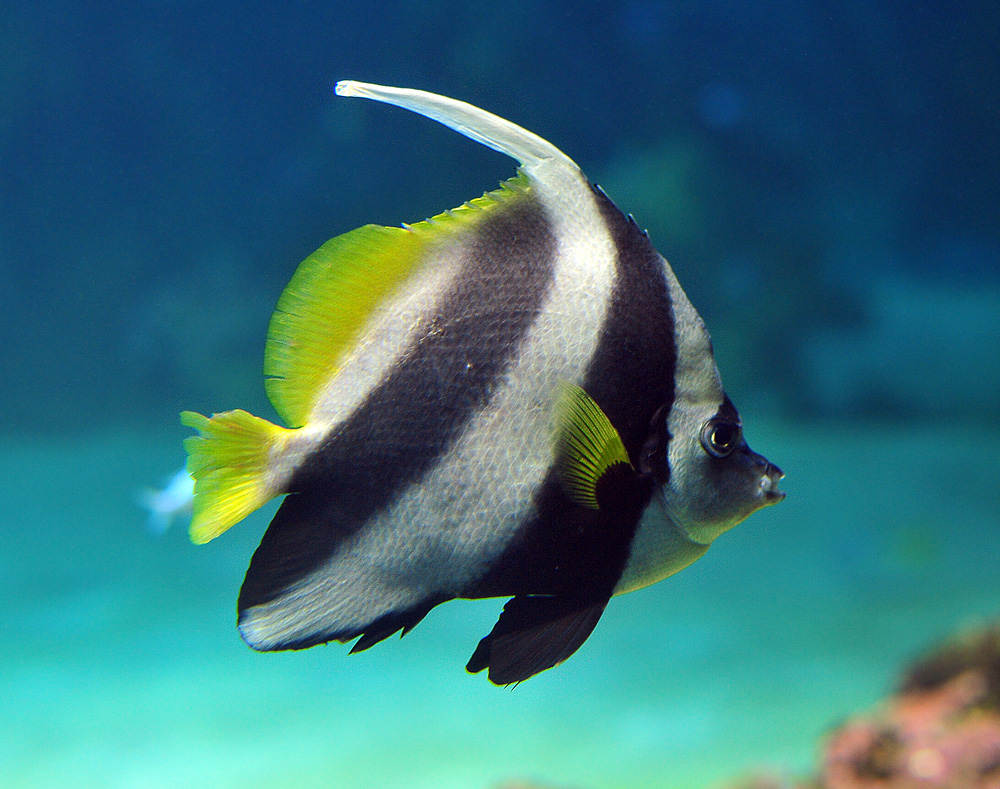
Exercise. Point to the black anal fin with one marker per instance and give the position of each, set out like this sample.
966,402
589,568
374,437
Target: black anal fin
535,633
390,623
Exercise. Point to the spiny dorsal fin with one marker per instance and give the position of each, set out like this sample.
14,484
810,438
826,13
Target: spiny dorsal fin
587,445
477,124
334,291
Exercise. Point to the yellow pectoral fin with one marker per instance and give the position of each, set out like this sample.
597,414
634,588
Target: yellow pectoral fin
587,445
229,462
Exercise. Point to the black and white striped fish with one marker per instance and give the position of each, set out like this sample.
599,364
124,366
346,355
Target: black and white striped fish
513,398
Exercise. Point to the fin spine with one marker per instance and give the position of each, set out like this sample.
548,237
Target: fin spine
475,123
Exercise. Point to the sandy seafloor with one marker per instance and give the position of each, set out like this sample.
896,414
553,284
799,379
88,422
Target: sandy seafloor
121,666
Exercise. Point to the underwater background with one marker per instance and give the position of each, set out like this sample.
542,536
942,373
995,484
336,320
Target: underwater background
824,181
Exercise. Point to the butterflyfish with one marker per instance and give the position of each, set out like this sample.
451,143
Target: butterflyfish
514,398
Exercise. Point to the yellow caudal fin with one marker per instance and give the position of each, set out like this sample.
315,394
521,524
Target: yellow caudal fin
229,462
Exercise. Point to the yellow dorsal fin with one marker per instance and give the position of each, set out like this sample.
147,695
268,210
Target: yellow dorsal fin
587,444
323,308
334,292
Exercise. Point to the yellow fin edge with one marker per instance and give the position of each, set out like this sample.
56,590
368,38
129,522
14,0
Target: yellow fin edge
335,291
325,306
229,461
587,444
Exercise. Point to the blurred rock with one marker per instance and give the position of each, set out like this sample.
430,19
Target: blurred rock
939,730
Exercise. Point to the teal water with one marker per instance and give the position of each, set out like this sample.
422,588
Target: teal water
824,181
122,666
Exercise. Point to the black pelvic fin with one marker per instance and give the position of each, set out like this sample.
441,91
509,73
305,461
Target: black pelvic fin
533,634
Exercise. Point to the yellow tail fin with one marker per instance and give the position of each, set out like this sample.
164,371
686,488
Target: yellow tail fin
229,462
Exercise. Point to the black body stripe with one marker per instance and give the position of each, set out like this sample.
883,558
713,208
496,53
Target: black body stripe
422,406
632,373
567,549
727,411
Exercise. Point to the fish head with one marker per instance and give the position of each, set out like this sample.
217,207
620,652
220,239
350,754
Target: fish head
709,478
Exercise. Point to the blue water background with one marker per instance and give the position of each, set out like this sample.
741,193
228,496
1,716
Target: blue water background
824,180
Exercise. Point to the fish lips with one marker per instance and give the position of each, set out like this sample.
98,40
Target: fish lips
769,484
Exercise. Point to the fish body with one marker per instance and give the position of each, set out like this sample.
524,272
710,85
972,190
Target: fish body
513,398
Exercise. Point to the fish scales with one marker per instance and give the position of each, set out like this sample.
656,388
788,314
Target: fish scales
424,526
513,398
631,375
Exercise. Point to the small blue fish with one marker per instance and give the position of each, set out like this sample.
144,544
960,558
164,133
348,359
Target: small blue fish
167,504
513,398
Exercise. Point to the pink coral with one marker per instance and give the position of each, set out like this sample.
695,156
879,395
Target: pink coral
941,730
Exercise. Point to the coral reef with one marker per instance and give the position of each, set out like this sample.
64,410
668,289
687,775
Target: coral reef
941,728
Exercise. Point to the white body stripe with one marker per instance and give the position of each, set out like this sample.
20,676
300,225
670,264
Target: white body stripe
389,332
659,549
444,532
662,546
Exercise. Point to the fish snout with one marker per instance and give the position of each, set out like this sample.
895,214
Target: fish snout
769,480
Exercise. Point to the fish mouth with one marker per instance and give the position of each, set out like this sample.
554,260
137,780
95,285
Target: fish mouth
769,484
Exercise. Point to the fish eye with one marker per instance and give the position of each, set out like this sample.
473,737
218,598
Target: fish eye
720,437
